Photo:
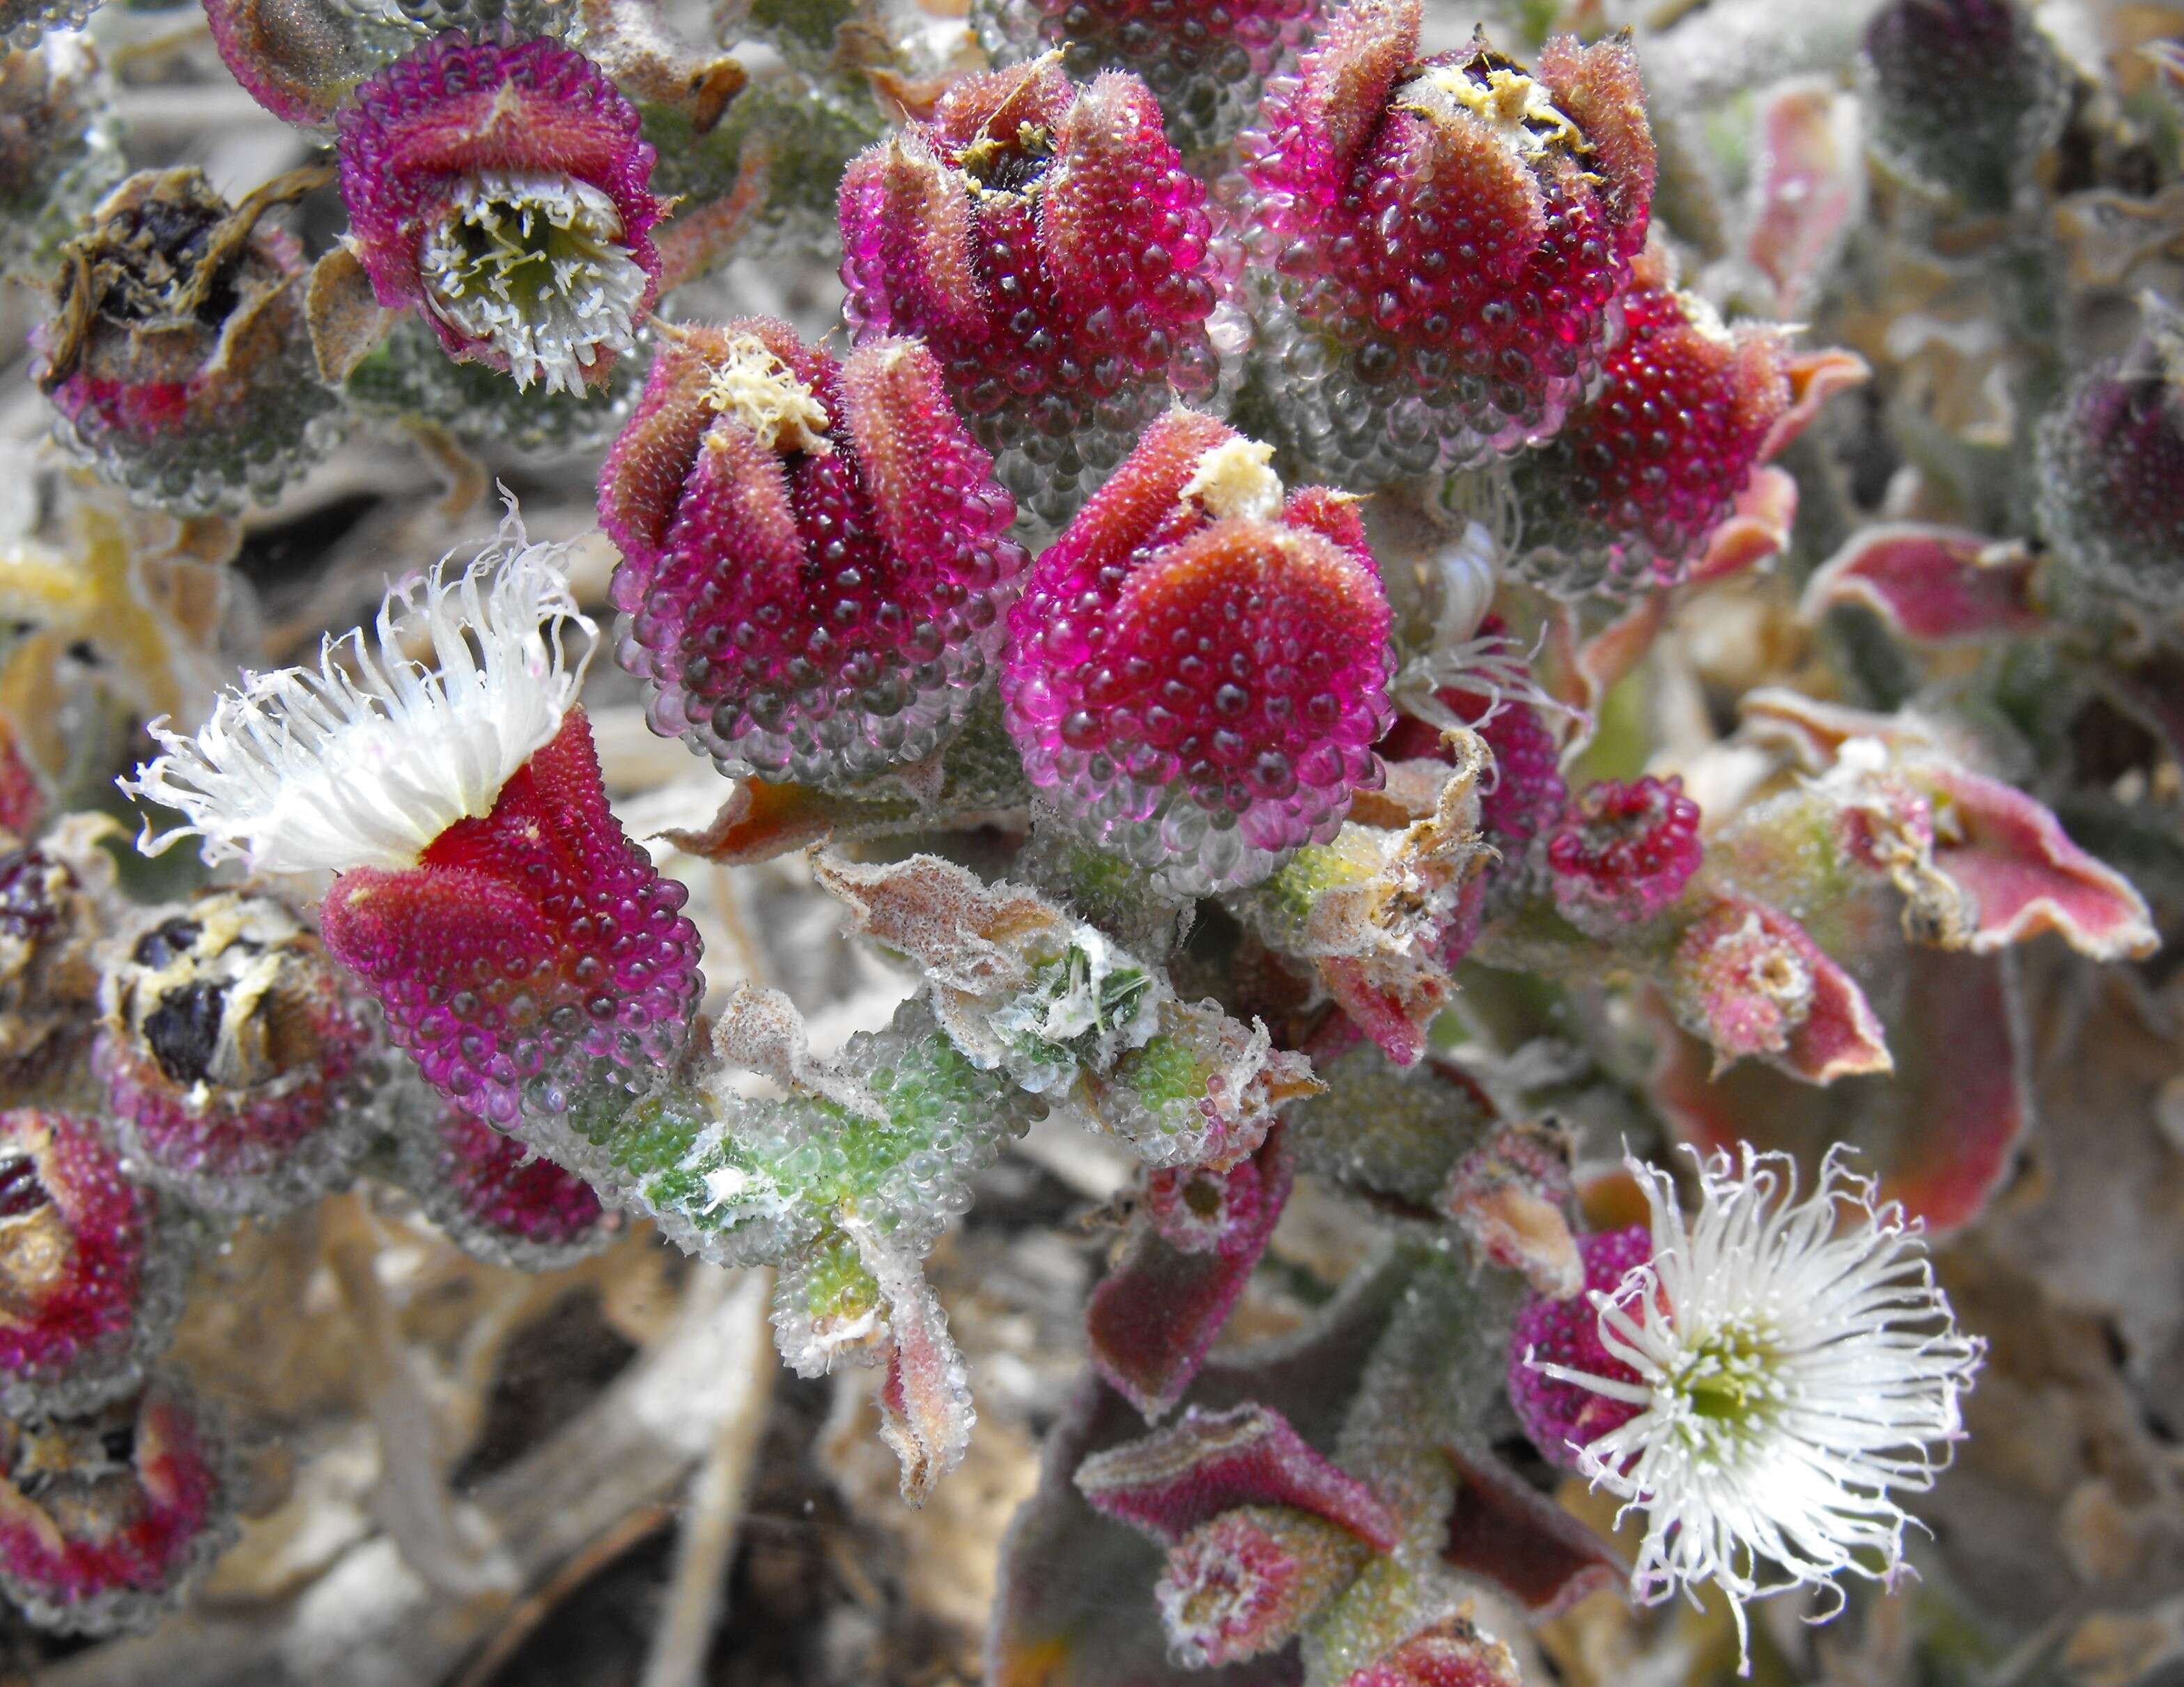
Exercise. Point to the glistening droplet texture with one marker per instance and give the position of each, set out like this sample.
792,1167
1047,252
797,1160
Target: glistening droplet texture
1049,245
1200,695
1435,246
495,1199
1206,61
1560,1416
820,604
1625,498
1963,95
1623,852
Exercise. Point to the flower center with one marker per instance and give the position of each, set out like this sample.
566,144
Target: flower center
1516,107
1731,1386
535,266
755,389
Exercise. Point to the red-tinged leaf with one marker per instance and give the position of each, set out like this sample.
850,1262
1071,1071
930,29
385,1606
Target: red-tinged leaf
1075,1605
1450,1654
1758,528
1814,731
1506,1532
1809,186
2023,871
1815,377
1154,1316
1208,1462
1751,980
925,1391
1933,584
1940,1133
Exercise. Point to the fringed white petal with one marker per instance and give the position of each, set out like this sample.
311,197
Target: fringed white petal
1798,1367
367,759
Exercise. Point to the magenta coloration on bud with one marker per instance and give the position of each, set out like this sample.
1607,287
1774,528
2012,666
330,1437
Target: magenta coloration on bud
1627,495
534,960
105,1518
236,1067
1559,1416
1623,852
1963,95
1046,241
2111,468
1206,61
1450,1654
90,1275
1209,1462
496,1200
503,189
1751,980
176,354
1442,240
1198,668
1153,1317
816,553
1243,1583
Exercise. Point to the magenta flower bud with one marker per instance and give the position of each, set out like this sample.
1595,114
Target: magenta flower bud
1206,61
105,1519
236,1067
816,553
1561,1416
1627,495
1242,1584
496,1200
48,978
502,189
1048,244
2111,468
176,354
1198,668
91,1275
1437,243
1623,852
526,954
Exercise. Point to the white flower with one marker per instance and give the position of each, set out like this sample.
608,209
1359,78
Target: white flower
1797,1367
365,761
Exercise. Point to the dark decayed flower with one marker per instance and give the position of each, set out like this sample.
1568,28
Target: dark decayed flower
236,1067
48,977
2111,470
502,189
1206,61
1780,1370
1436,243
1963,95
90,1268
526,952
176,353
1626,495
106,1516
1046,241
1198,668
815,555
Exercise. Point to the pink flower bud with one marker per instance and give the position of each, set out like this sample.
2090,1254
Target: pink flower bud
1198,668
1048,244
1441,241
816,554
1560,1416
496,1200
1623,852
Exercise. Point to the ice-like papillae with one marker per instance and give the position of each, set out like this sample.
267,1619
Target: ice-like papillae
237,1065
1623,852
2111,468
108,1515
495,1200
816,553
503,189
1560,1417
533,962
1198,669
1047,243
1206,61
1626,496
1435,245
95,1281
24,23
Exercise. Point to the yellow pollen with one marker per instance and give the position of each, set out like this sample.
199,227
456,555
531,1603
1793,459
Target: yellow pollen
1515,106
1233,480
756,389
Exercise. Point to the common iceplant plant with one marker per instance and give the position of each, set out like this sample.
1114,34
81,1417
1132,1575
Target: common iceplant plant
1413,633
